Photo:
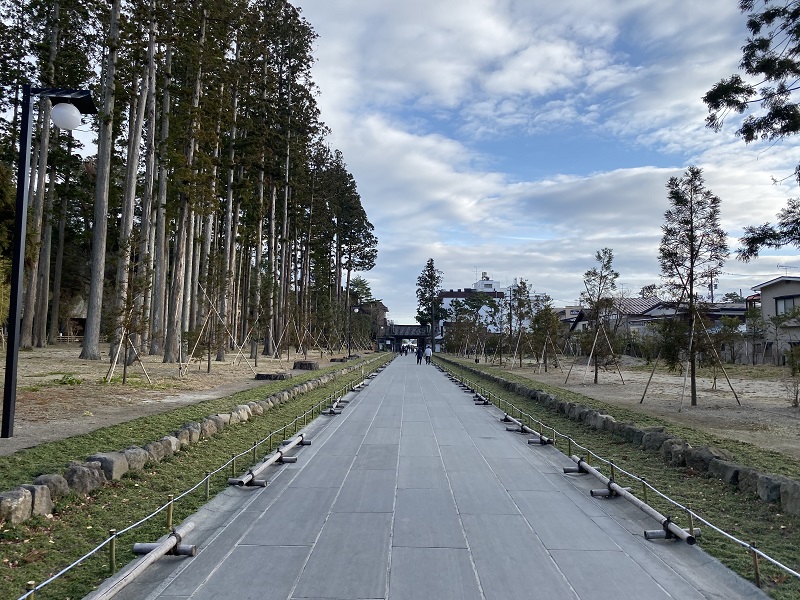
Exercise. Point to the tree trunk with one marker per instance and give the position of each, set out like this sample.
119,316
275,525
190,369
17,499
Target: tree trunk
205,255
91,338
55,309
224,290
187,282
145,263
35,232
173,339
32,307
176,320
121,308
269,339
160,242
43,285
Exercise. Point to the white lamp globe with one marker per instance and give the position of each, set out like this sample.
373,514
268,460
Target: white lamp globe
65,116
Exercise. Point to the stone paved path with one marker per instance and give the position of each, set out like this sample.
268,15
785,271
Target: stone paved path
414,492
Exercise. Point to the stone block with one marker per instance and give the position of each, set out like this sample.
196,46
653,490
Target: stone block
208,428
610,424
41,501
171,444
255,408
219,422
244,412
114,464
724,470
84,478
137,457
15,506
183,437
652,440
234,419
156,451
673,452
625,431
194,431
225,417
56,483
699,458
748,480
769,487
576,412
790,497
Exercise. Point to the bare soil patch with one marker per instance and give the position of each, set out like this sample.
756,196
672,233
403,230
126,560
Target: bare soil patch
60,395
765,417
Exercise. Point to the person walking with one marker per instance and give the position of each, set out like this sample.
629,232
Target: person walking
428,354
419,355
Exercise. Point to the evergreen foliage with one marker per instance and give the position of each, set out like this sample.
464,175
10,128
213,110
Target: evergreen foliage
222,194
693,250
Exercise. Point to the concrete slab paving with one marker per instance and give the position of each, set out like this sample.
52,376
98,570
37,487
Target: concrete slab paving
421,472
378,456
367,490
441,573
426,518
416,492
295,520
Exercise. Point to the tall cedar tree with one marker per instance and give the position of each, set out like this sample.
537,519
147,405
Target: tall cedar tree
428,301
232,193
693,248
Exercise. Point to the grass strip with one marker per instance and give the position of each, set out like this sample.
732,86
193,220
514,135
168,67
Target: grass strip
52,457
741,515
40,547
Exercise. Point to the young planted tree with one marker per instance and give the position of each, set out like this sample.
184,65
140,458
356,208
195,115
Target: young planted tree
599,282
756,327
429,305
693,249
545,325
519,312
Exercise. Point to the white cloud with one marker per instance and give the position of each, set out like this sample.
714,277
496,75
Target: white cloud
421,94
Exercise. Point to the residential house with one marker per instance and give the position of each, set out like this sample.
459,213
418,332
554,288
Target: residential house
779,298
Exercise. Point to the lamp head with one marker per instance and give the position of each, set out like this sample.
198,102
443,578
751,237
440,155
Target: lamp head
65,116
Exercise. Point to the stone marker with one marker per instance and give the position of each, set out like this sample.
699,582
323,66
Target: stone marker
114,464
15,505
41,502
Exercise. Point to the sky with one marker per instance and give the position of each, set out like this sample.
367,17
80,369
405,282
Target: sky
519,137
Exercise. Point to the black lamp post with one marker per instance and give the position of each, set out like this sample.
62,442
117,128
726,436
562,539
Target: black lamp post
68,106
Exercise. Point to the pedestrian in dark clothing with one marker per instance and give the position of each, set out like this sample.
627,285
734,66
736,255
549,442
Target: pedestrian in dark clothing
419,356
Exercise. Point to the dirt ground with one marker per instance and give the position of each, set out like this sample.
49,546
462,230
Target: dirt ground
60,395
765,417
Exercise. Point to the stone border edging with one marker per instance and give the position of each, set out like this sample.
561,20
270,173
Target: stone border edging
706,460
39,498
